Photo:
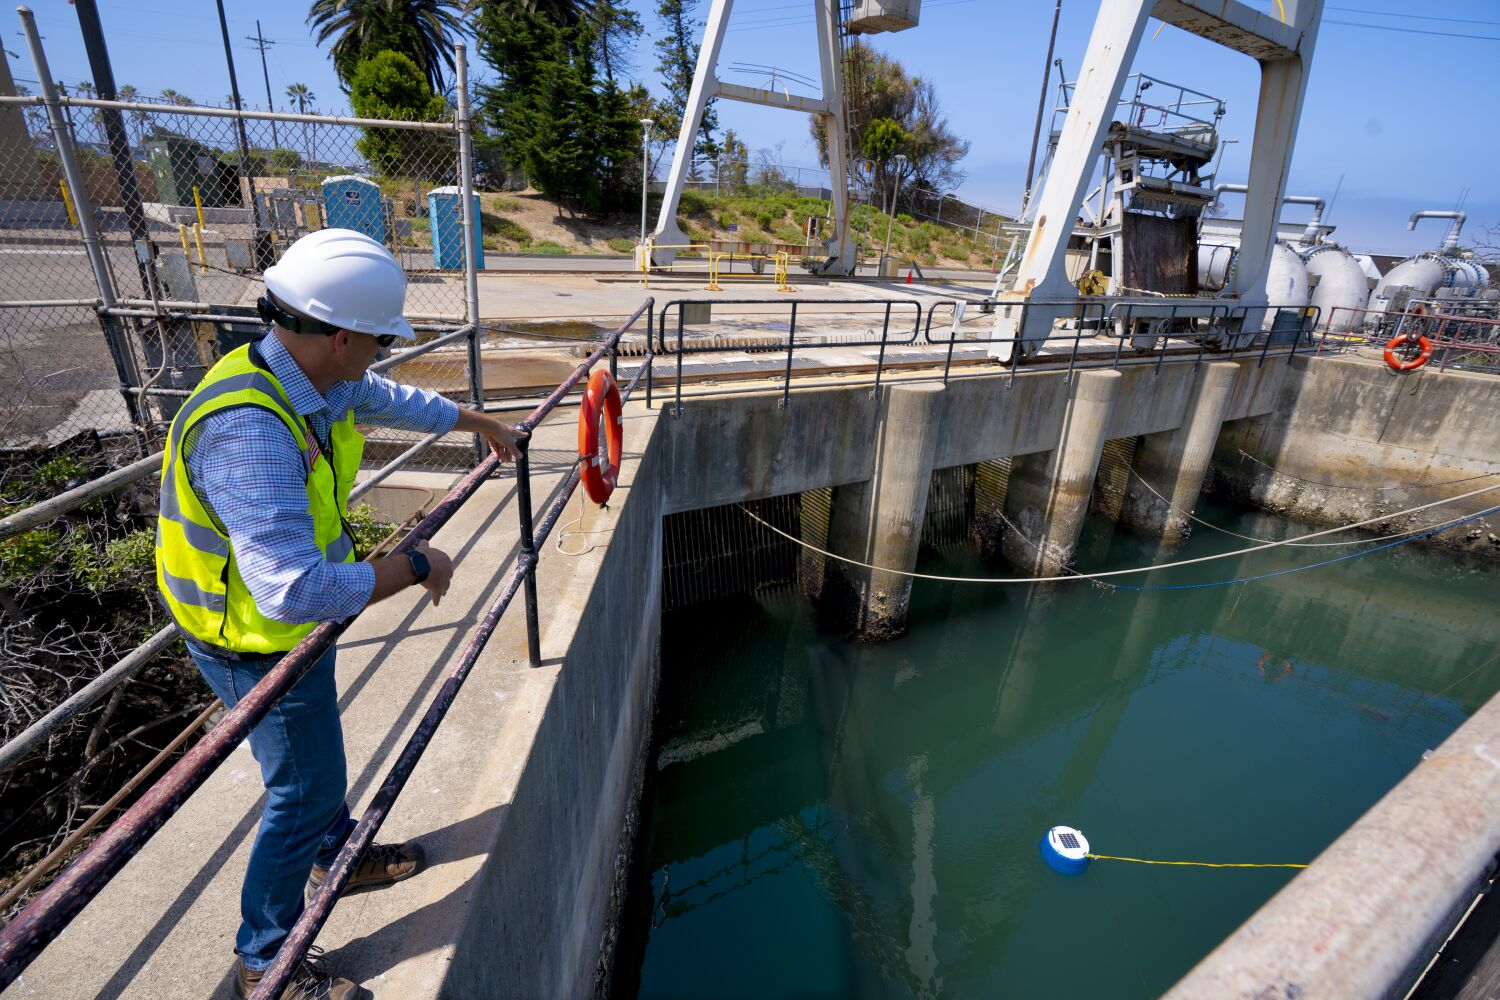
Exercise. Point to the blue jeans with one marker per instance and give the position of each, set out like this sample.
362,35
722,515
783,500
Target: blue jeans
300,748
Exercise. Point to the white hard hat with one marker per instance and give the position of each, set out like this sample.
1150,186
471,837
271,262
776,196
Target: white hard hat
343,278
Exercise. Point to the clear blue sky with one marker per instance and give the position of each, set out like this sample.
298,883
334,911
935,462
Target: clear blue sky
1405,110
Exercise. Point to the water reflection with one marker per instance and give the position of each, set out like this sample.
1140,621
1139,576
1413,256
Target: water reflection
830,819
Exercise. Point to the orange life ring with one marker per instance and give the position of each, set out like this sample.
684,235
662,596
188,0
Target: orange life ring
601,472
1416,362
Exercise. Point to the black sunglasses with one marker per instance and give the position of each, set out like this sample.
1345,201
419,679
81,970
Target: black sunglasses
386,339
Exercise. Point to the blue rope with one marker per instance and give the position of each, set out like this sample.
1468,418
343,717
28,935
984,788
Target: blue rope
1316,565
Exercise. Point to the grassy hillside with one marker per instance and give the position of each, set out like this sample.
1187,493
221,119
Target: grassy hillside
526,222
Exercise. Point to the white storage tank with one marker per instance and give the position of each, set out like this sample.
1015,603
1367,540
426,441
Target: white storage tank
871,17
1341,289
1421,277
1286,278
1286,283
1215,261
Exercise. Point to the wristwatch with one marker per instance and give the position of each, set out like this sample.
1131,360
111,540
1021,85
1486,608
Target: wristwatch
419,564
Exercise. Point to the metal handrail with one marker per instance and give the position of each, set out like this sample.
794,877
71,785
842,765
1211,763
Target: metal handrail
50,912
13,752
887,306
59,505
522,576
1095,317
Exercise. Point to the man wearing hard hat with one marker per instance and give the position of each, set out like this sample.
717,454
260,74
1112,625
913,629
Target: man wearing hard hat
254,549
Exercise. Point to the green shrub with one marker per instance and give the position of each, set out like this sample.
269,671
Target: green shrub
765,220
27,554
918,241
620,244
123,562
58,472
499,203
790,234
904,219
368,528
548,247
695,203
509,229
726,219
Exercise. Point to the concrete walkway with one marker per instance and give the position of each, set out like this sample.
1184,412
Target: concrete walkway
165,926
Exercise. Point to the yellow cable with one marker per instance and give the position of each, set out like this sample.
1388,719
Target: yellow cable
1190,864
1281,9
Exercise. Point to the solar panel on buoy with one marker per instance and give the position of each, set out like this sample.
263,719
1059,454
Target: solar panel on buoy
1066,850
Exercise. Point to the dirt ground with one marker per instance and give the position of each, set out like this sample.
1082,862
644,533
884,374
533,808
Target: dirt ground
540,217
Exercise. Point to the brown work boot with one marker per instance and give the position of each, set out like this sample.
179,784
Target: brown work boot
381,865
308,983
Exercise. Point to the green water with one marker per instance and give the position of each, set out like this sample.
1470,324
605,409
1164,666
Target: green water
828,819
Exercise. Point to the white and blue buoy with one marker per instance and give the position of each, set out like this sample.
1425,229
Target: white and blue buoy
1065,850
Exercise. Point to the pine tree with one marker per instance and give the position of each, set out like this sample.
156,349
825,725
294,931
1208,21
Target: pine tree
573,135
678,62
617,27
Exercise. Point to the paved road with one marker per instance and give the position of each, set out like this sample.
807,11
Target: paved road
59,269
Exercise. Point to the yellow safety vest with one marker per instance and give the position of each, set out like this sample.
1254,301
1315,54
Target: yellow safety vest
196,570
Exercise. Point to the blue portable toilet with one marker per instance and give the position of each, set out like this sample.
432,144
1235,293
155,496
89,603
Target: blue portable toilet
446,220
351,202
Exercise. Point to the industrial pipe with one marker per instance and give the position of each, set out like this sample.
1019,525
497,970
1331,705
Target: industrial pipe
1310,234
1450,242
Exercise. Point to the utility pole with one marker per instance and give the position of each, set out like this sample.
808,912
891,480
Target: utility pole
646,124
1041,105
265,254
114,127
262,43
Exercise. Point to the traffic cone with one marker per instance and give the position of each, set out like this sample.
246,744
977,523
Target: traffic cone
908,277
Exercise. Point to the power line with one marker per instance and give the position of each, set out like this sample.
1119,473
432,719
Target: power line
1416,31
263,43
1413,17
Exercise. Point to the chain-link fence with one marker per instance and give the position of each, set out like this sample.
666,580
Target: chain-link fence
134,235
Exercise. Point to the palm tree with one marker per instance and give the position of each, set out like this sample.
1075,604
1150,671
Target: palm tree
138,118
87,89
422,30
173,97
301,95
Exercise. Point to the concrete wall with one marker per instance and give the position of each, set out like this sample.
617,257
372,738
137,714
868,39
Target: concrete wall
730,448
541,920
1352,422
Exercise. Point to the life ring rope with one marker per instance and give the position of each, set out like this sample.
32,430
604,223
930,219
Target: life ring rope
1399,364
601,470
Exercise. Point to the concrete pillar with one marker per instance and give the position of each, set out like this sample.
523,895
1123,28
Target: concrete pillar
880,521
1048,494
1175,463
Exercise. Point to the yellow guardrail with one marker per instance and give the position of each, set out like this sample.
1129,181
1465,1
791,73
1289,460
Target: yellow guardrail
780,263
780,268
644,251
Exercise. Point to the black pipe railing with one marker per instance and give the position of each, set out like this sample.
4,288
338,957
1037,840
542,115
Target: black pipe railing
49,913
1196,323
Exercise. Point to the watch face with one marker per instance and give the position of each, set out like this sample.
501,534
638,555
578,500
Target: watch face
419,564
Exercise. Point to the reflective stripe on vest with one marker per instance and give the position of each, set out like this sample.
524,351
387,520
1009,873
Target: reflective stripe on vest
197,574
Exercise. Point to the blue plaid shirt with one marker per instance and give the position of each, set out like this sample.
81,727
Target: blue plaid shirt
245,466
